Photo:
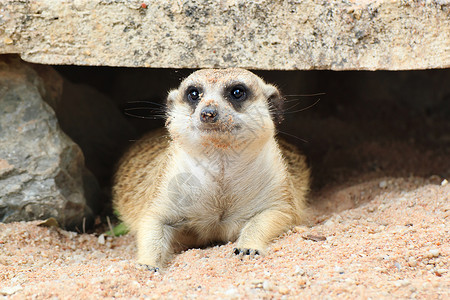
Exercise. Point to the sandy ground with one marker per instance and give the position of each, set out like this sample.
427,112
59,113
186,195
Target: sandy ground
378,228
393,244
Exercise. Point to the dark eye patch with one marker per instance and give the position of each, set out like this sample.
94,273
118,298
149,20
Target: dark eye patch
236,94
193,95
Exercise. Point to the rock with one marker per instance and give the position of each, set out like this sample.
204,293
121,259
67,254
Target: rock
268,285
8,291
302,281
300,229
232,291
299,271
42,171
101,239
412,262
402,282
283,290
383,184
440,272
289,35
434,252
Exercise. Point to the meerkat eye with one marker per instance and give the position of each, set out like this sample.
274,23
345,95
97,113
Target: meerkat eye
238,93
193,94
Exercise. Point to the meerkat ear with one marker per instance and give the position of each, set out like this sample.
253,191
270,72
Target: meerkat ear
173,94
276,103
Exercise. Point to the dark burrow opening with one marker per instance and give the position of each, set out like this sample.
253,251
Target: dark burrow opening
352,126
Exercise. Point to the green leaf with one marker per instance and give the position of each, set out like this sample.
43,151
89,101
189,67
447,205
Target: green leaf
118,230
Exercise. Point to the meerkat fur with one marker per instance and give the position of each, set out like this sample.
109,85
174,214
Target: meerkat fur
217,173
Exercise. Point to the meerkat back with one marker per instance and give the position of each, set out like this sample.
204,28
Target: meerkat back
298,176
138,176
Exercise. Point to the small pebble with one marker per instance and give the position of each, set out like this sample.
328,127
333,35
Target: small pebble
402,282
350,280
101,239
434,252
299,271
444,182
267,285
329,223
8,41
412,262
302,281
382,184
7,291
257,282
300,229
339,270
276,248
314,238
231,292
283,290
440,272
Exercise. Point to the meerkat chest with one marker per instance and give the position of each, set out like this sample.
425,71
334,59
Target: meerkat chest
225,191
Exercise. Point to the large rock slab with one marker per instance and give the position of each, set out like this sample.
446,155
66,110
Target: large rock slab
288,35
42,171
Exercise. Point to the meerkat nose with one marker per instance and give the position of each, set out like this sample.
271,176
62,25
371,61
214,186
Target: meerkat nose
209,114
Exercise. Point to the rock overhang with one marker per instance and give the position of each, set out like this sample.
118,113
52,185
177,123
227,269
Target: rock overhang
270,35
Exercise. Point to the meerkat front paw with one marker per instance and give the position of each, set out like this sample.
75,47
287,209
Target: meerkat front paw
246,251
149,268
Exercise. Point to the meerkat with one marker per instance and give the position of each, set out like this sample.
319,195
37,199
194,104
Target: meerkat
216,174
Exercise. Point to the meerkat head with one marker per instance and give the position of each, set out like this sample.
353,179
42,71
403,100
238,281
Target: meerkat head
223,108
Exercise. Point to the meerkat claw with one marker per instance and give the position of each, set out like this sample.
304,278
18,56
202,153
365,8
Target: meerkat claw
149,268
246,251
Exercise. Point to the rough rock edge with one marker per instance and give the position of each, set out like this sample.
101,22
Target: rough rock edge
361,35
45,176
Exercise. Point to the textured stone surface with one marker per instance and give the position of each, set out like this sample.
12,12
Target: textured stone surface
42,171
338,35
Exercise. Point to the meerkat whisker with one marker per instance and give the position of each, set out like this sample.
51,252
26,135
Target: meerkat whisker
143,117
303,109
145,108
306,95
292,135
146,102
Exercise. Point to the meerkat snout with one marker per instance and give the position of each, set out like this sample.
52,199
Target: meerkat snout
209,114
218,173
